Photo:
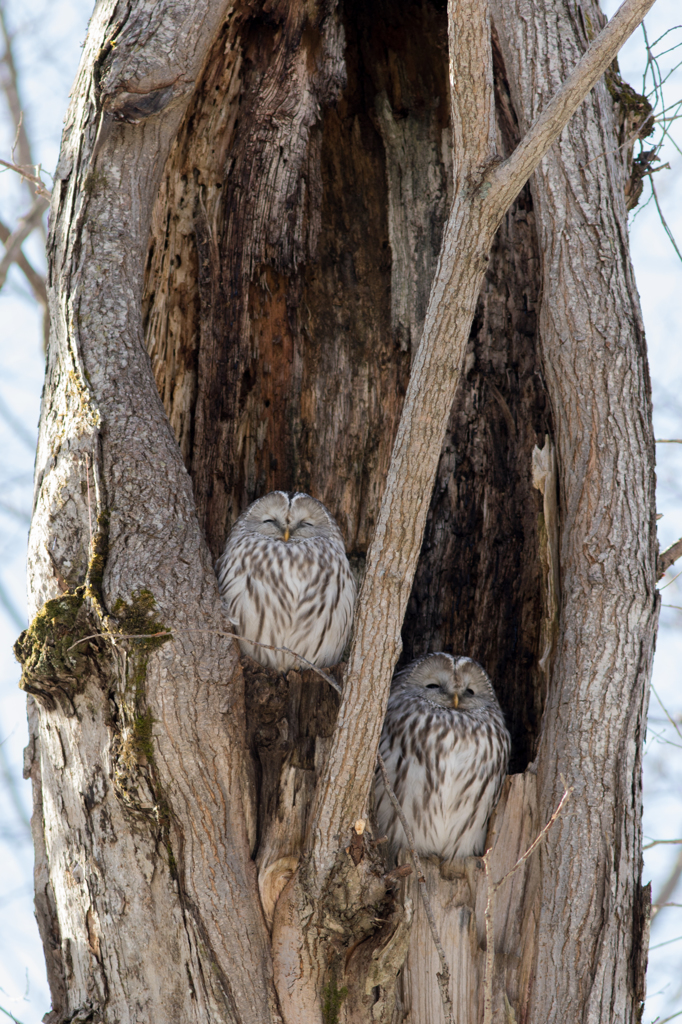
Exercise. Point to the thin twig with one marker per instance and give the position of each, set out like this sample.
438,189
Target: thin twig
669,886
663,842
670,582
444,976
215,632
10,87
489,941
35,280
668,557
35,179
666,226
666,1019
10,1015
666,943
666,712
15,241
493,888
538,839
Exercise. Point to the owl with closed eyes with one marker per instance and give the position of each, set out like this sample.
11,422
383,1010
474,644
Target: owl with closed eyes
446,748
285,581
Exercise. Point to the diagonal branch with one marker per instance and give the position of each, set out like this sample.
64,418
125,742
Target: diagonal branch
35,280
668,557
10,87
31,174
15,241
669,887
481,198
510,177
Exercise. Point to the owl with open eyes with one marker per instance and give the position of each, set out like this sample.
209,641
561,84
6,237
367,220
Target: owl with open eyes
285,581
446,748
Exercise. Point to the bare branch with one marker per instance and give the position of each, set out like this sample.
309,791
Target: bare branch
16,425
663,842
666,712
35,280
26,225
669,887
10,86
666,943
10,607
668,557
666,226
536,842
509,178
489,942
666,1019
13,790
444,976
29,175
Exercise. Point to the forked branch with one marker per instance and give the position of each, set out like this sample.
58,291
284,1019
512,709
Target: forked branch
510,177
20,234
669,557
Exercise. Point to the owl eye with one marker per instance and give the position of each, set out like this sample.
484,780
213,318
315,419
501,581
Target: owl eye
432,686
269,521
469,691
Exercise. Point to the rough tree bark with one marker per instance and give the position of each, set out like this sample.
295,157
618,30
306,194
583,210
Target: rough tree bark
252,205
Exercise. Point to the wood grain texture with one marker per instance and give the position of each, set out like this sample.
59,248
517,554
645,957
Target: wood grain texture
458,897
594,363
141,768
280,175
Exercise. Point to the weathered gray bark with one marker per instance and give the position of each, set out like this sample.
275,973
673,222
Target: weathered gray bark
140,771
591,951
292,157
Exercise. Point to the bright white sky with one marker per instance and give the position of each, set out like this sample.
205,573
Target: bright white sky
48,51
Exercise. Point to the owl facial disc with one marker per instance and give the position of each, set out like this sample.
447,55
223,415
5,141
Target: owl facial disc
453,682
289,518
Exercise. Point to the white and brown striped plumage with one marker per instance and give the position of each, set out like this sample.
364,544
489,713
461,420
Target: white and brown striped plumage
285,581
446,749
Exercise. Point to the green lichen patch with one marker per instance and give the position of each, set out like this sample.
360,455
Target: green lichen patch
633,105
132,619
98,559
46,649
137,747
332,998
95,183
142,730
137,617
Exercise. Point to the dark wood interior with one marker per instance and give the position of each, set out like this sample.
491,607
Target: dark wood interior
281,333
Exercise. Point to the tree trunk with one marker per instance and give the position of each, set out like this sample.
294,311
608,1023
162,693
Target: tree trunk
248,214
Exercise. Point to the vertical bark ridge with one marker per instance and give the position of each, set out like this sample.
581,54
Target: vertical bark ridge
140,747
595,366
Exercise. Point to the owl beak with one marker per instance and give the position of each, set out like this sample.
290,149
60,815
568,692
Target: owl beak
286,533
455,701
